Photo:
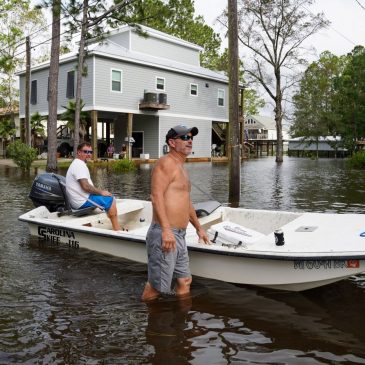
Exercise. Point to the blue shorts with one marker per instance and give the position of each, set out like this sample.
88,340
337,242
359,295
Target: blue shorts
165,266
104,201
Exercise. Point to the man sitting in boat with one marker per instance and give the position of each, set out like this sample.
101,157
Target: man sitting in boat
172,210
81,191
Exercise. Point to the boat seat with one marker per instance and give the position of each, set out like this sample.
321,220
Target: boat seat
75,212
205,208
68,210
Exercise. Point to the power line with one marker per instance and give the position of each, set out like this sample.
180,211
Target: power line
362,6
338,32
23,40
39,44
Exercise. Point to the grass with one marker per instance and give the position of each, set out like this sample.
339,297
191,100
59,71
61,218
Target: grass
357,160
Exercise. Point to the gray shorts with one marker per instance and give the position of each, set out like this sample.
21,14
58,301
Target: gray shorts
165,266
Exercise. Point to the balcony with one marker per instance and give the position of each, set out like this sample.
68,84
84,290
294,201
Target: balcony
154,101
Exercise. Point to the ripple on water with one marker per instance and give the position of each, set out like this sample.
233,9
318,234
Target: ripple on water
60,306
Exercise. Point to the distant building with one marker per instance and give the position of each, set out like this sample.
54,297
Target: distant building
327,146
260,133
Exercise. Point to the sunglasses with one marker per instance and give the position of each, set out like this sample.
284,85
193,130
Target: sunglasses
185,137
88,152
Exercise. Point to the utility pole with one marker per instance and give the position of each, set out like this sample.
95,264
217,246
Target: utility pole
234,128
27,93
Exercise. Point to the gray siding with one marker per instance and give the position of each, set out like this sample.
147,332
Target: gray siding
202,142
148,125
138,78
122,39
164,49
141,123
42,88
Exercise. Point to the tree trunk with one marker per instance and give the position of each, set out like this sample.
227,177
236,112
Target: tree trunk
80,68
53,88
234,134
27,93
278,118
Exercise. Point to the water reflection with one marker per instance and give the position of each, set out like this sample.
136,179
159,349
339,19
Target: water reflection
58,305
167,329
228,324
325,185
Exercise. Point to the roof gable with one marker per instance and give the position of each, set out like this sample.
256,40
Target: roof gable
259,121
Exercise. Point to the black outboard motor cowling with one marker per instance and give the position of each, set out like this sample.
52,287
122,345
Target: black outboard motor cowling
48,191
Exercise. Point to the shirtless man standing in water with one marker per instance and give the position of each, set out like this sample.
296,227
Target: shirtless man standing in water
172,210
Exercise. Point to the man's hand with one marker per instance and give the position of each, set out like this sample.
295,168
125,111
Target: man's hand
168,240
203,236
105,193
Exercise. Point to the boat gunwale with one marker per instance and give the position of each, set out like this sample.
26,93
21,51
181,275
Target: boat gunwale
261,256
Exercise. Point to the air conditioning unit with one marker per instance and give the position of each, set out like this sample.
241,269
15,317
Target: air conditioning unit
162,98
150,97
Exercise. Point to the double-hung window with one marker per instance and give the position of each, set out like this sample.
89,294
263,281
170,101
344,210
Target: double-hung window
221,97
160,83
117,80
70,89
194,89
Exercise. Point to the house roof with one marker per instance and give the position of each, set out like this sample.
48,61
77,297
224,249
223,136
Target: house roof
110,49
157,34
262,122
320,139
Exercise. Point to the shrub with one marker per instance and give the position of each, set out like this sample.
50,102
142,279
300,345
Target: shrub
123,165
357,160
21,154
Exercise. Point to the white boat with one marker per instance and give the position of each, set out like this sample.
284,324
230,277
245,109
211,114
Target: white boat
318,248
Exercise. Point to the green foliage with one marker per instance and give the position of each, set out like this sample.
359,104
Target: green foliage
331,99
315,102
36,124
124,165
351,101
357,160
21,154
69,116
7,128
17,17
252,103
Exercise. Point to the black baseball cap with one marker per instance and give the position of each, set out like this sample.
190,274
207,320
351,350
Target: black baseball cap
181,130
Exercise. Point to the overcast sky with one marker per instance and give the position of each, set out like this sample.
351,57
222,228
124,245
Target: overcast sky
346,30
347,19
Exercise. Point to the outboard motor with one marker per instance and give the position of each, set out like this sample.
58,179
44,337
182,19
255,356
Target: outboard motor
47,190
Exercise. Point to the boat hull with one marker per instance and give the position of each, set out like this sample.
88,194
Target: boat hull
231,266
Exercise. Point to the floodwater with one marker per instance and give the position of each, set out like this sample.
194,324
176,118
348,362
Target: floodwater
65,306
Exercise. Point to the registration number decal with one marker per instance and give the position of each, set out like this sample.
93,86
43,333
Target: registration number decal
326,264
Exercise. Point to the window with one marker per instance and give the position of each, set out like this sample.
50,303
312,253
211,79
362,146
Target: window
33,92
160,83
70,90
220,97
193,89
117,80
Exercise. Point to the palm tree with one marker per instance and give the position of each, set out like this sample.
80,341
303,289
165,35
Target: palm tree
69,116
37,129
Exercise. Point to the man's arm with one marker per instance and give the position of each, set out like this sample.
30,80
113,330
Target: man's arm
199,229
86,186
